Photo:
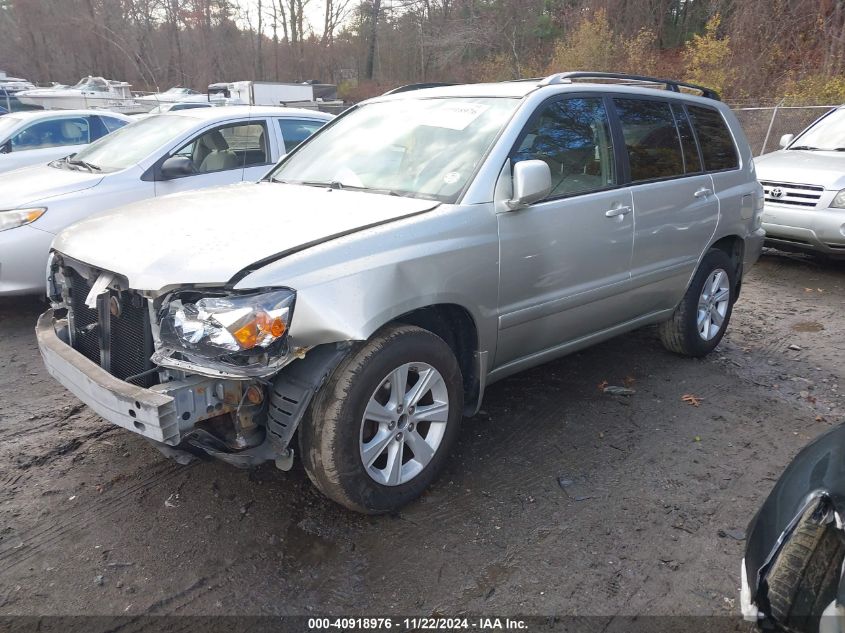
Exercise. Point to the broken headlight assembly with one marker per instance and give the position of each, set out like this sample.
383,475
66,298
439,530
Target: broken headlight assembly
236,334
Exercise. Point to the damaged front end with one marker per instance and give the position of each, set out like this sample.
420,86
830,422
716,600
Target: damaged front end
198,369
792,573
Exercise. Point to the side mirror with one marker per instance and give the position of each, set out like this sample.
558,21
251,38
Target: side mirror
532,181
786,139
6,148
176,167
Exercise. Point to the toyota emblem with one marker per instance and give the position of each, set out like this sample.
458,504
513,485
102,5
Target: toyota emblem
777,192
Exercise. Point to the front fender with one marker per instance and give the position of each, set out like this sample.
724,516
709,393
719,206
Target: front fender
349,287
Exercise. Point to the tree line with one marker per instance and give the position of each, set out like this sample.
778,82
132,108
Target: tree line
750,50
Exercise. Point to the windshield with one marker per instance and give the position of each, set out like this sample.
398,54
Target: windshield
426,148
8,124
827,134
126,146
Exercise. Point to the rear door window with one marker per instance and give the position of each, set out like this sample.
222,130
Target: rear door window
111,123
98,129
651,139
692,160
294,131
717,146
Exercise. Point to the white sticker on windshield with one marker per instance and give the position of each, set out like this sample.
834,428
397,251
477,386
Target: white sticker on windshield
454,116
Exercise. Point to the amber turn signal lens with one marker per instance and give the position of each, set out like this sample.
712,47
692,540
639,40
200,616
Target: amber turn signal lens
257,330
248,335
33,215
277,327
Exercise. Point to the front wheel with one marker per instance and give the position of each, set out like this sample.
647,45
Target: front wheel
380,430
700,320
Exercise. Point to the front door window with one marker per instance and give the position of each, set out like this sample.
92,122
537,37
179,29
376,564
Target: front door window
229,147
572,136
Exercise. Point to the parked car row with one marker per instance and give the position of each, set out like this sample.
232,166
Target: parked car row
152,157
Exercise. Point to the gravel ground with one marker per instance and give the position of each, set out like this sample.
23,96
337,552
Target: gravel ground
560,499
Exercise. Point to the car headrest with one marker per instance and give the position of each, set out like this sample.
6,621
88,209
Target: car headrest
71,130
214,140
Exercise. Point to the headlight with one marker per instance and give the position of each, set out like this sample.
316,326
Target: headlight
213,327
839,200
18,217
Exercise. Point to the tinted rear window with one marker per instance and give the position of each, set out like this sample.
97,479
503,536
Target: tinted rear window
692,162
651,139
717,146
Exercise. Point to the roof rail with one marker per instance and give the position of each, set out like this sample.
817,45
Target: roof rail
671,84
421,86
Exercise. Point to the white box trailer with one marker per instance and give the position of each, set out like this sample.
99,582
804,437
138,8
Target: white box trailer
268,93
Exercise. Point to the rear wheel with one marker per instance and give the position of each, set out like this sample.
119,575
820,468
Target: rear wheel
700,320
380,430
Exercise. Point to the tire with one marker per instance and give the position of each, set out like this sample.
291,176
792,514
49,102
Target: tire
680,334
804,577
336,433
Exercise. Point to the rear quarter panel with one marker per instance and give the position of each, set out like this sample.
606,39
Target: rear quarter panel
736,188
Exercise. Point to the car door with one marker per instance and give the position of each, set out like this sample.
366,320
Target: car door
565,261
675,210
224,154
46,140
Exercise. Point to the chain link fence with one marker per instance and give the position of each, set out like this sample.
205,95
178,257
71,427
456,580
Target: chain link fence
765,125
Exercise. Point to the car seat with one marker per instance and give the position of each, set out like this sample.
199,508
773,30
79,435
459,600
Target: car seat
72,133
218,156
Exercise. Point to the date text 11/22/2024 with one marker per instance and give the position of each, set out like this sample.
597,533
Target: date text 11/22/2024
417,624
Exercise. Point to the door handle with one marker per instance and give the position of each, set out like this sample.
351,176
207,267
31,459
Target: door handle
703,192
617,212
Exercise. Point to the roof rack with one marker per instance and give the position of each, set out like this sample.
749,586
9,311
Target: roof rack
671,84
420,86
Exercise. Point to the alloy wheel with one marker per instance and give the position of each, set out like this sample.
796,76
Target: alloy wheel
713,304
404,423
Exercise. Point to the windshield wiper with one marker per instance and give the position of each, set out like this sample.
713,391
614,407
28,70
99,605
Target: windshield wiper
809,148
334,184
82,163
389,192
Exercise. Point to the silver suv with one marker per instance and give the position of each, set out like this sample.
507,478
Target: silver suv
804,186
419,248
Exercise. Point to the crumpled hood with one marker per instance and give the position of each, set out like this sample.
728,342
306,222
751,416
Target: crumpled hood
25,186
826,169
208,236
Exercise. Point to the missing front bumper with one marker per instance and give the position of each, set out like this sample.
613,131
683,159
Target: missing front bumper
164,413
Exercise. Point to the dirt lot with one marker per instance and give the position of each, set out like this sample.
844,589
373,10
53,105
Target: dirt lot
560,499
